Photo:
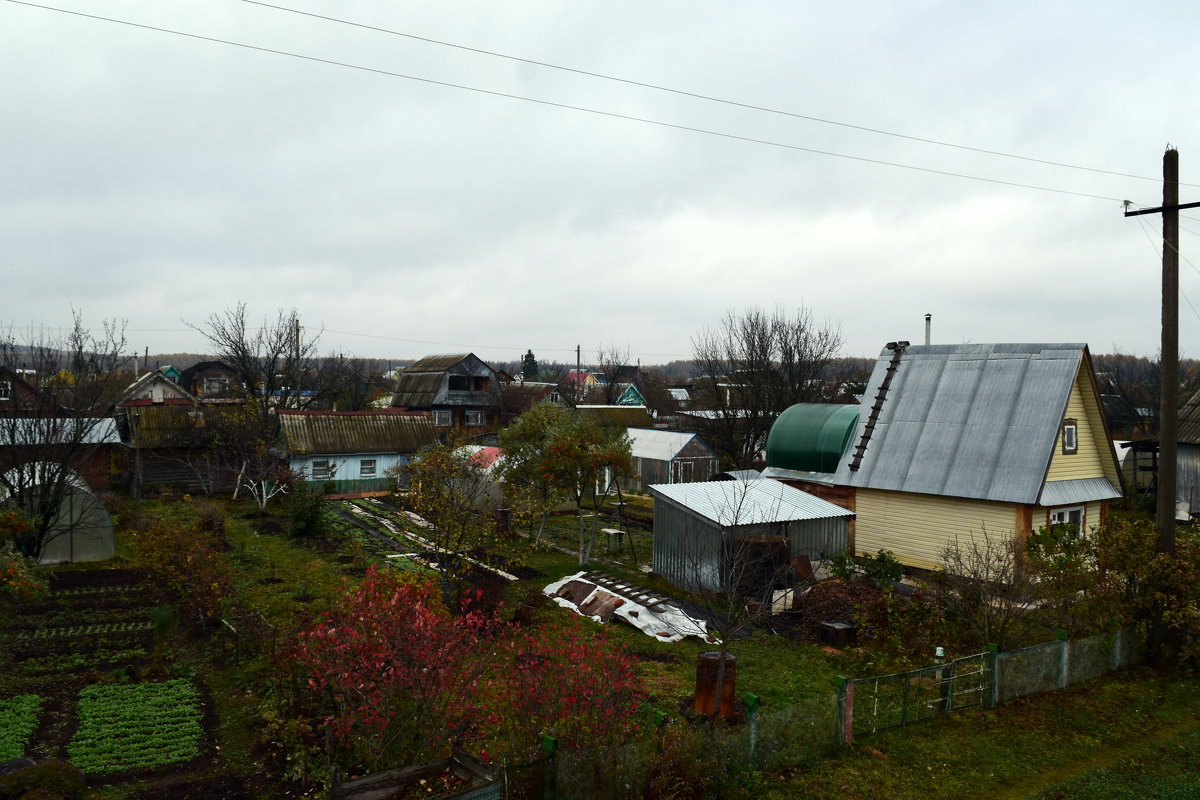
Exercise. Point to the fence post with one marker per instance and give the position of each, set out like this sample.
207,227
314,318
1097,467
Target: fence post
752,702
993,663
845,690
1064,662
550,769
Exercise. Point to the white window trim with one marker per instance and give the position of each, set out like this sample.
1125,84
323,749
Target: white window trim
443,418
5,390
1071,427
321,470
1065,512
473,419
363,472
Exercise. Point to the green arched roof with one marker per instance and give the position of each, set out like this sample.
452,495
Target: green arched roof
811,437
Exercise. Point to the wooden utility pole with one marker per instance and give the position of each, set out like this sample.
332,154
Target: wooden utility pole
1168,414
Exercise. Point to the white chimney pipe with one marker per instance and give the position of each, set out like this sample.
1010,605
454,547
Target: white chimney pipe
928,321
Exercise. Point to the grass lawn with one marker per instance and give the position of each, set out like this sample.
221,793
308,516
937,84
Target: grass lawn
1117,738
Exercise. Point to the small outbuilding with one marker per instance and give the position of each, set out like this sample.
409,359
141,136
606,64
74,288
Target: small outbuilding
670,457
743,536
81,529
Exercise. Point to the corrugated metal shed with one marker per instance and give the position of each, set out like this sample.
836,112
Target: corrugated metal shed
972,420
754,502
658,445
384,431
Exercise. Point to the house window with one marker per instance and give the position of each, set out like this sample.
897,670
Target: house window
443,418
321,470
5,390
1072,517
214,386
1070,437
474,419
460,383
366,468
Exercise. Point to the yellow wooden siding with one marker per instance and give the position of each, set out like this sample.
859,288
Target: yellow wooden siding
1094,457
1092,513
917,527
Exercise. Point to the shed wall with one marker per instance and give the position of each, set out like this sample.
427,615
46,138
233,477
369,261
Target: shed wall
688,549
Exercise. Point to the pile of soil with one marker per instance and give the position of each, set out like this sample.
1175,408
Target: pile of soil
827,601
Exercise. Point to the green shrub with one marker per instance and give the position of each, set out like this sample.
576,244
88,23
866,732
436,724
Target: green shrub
306,510
50,780
884,568
842,565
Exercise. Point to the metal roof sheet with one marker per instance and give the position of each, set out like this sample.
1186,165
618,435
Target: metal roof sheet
731,503
356,432
657,445
970,420
1078,491
1189,420
55,430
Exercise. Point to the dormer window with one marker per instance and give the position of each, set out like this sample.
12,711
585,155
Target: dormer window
1070,437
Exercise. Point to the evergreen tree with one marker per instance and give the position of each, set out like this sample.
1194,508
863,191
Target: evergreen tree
529,366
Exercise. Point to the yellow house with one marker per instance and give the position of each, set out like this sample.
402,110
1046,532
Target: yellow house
955,441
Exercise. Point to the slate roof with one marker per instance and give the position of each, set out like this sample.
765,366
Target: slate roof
748,502
618,416
976,421
1189,421
331,432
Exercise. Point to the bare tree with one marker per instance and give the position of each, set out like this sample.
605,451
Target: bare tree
613,367
752,367
278,363
984,582
57,392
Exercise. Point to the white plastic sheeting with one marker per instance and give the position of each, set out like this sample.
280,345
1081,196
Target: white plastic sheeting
603,599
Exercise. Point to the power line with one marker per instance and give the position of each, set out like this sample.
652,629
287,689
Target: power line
1158,252
709,98
567,106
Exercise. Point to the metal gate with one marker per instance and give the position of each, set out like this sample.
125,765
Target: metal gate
869,705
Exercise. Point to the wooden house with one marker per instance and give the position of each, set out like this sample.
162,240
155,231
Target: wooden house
353,450
212,381
457,390
669,457
957,441
155,387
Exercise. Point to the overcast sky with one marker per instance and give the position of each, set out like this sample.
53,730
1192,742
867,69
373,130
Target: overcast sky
157,178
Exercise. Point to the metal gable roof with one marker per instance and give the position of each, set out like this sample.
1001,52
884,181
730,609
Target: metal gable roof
974,420
657,445
754,502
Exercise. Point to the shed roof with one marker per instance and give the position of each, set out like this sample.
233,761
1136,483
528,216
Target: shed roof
658,445
970,420
382,431
754,502
618,416
60,430
1189,420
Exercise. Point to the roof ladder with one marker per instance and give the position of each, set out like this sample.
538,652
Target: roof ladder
897,349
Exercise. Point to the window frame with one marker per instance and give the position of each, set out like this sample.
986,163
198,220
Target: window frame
443,418
1065,513
1070,431
321,469
363,470
6,390
473,418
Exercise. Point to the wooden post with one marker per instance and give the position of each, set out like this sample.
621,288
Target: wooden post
1168,426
